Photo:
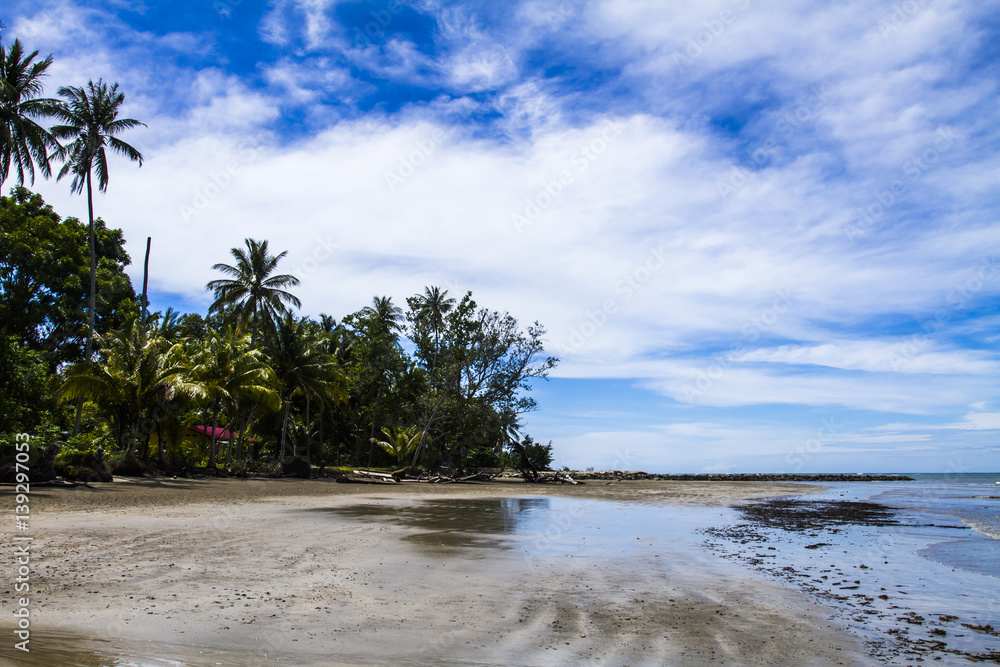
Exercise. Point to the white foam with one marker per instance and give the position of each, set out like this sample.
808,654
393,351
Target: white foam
984,529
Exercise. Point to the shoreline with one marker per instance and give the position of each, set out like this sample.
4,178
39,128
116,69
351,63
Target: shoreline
260,571
127,493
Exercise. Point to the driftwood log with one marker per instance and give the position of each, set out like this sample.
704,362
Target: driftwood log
371,477
562,478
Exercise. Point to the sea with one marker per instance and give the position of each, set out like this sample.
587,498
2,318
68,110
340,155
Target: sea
971,498
927,587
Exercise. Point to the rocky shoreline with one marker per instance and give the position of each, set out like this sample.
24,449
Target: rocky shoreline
895,632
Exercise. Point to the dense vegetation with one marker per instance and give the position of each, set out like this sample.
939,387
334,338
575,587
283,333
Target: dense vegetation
442,383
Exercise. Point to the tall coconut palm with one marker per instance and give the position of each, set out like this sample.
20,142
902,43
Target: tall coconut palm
23,142
387,315
429,310
433,305
135,369
90,122
255,293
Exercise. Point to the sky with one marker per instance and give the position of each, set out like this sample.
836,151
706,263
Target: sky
762,236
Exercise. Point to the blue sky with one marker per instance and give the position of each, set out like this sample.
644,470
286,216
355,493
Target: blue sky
762,236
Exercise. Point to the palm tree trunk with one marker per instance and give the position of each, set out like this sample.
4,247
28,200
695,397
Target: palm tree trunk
371,443
284,428
244,427
322,459
371,431
232,436
215,423
145,281
423,435
160,444
130,454
253,331
91,299
308,429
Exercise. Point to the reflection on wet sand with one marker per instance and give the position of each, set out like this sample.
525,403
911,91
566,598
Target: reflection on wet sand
66,649
448,523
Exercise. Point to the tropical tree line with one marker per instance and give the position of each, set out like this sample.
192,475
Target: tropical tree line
441,382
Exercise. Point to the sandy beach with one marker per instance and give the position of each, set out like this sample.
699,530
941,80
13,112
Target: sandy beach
292,572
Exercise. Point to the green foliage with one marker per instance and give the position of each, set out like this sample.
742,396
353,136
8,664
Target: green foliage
540,455
25,402
483,457
44,273
136,369
90,121
399,443
73,463
8,448
345,393
23,142
253,295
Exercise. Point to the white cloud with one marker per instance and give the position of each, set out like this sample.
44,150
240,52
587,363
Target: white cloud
651,186
909,355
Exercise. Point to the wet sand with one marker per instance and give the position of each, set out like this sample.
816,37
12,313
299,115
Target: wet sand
231,571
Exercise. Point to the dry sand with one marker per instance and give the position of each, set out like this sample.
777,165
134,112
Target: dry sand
239,572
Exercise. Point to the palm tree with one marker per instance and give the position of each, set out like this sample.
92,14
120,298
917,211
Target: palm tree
387,315
229,372
304,368
510,436
399,442
136,369
90,121
433,305
430,309
256,296
23,142
166,324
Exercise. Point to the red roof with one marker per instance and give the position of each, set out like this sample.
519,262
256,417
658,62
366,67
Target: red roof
220,433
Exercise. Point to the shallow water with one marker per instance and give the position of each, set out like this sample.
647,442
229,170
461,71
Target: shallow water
972,499
541,527
931,566
443,525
